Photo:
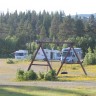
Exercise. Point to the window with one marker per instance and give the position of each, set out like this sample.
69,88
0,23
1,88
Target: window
19,54
65,53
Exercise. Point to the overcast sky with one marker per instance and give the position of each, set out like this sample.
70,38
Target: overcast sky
68,6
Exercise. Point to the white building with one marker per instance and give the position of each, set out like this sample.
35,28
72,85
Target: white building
21,54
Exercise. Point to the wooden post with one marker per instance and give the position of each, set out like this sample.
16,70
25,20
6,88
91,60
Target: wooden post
79,61
46,58
63,61
34,57
40,46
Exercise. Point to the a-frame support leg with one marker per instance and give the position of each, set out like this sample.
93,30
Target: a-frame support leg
46,58
40,46
77,58
34,57
80,62
63,61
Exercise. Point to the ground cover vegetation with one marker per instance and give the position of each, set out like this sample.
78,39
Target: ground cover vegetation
31,75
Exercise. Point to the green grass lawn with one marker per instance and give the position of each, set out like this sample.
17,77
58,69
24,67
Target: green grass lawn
44,91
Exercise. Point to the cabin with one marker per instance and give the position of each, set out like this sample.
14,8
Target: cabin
51,54
21,54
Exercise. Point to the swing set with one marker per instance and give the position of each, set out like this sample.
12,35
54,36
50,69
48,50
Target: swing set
40,43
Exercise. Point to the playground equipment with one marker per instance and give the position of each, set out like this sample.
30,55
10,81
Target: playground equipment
40,43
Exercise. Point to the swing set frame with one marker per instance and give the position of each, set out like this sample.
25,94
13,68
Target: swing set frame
40,43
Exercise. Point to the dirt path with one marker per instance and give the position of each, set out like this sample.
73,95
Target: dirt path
52,84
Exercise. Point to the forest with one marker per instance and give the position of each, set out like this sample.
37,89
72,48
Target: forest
21,30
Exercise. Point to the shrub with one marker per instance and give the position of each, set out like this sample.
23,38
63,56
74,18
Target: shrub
48,76
20,75
31,75
51,75
10,61
28,75
90,57
41,75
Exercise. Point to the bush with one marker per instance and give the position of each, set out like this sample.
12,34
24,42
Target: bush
90,58
20,75
10,61
51,75
28,75
48,76
41,75
31,75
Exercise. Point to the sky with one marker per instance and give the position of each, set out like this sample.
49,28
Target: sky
71,7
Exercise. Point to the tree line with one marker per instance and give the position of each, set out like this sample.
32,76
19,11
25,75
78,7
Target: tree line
20,30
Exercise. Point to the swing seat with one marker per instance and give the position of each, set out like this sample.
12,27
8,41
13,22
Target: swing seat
64,72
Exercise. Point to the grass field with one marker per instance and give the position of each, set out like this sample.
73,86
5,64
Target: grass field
75,73
44,91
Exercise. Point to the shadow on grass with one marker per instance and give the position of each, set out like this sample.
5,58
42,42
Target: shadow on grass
45,90
62,91
4,92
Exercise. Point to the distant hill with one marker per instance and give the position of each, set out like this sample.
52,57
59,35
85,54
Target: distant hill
84,15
